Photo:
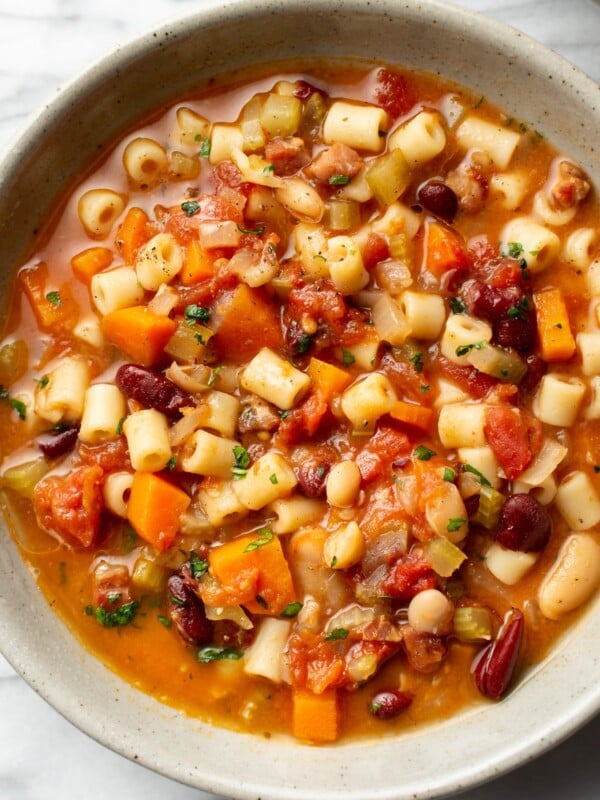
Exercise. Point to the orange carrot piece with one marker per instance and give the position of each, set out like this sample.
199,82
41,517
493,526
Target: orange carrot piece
199,265
554,329
91,261
328,380
444,249
132,234
412,414
244,322
315,717
254,566
154,509
52,308
139,332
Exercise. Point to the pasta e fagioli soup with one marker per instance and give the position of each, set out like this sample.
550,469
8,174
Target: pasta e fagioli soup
300,399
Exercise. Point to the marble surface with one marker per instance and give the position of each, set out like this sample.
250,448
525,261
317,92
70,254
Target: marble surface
44,43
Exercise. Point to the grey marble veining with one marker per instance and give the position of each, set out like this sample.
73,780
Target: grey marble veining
43,44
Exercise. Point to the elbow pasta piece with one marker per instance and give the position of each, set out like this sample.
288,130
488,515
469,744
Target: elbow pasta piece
420,139
559,399
274,379
224,139
145,161
510,188
579,247
193,127
462,425
356,125
295,512
89,330
541,246
115,491
549,214
588,344
104,409
346,266
461,333
219,502
265,654
61,399
221,411
573,577
509,566
498,142
366,400
484,460
578,501
425,314
267,480
210,455
98,209
116,288
147,434
158,261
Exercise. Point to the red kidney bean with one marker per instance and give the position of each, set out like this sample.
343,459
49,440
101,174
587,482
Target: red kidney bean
494,666
312,476
517,333
56,443
151,389
439,199
186,611
523,524
304,89
490,302
388,704
536,369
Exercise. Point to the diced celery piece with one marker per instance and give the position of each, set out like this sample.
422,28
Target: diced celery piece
341,215
187,344
443,556
23,478
281,114
388,176
148,576
472,624
490,503
398,246
502,364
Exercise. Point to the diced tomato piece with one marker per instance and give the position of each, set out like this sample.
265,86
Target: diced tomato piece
409,576
394,93
514,436
183,228
70,505
476,383
313,662
385,446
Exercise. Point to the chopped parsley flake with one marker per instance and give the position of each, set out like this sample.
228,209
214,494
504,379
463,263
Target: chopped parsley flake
448,475
417,361
214,375
519,310
455,524
482,479
54,298
456,305
291,610
273,478
198,566
339,180
514,249
190,207
265,535
254,231
423,453
269,169
463,349
337,634
347,357
303,344
17,405
242,462
119,428
283,413
212,653
204,151
172,462
424,388
194,313
43,381
122,615
164,621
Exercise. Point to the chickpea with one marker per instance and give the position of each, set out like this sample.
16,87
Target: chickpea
343,484
430,611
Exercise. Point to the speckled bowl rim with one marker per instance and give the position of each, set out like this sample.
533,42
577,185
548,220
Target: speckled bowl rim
554,699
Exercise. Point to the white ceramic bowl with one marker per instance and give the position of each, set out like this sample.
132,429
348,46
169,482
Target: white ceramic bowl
510,70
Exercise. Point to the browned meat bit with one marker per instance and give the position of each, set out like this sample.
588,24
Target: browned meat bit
336,160
111,585
469,182
571,187
257,415
424,651
287,155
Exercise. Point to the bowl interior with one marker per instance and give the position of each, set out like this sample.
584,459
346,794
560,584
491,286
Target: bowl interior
508,69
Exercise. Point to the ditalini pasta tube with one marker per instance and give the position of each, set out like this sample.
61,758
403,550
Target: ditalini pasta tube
356,125
61,396
270,478
104,409
274,379
147,434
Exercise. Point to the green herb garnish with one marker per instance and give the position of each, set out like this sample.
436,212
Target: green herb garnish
463,349
347,357
482,479
122,615
291,610
212,653
204,151
455,524
417,361
448,475
190,207
242,462
54,298
423,453
303,344
337,634
194,313
265,535
456,305
254,231
339,180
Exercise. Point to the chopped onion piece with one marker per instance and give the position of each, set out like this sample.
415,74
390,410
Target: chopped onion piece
234,613
23,477
350,617
544,464
185,426
472,624
190,378
389,320
443,556
164,301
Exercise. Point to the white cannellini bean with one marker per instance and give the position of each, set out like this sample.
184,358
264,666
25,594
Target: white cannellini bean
430,611
573,578
343,484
